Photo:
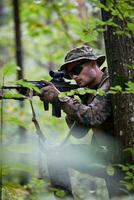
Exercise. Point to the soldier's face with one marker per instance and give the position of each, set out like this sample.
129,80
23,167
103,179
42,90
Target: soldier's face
84,74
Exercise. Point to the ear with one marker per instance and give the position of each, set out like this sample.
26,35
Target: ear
93,63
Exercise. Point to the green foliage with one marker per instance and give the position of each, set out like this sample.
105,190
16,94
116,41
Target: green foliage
131,67
47,34
113,90
22,148
131,27
27,85
110,170
58,192
130,87
9,69
13,95
38,189
82,91
130,150
17,167
100,91
128,181
13,191
122,10
89,31
116,89
45,22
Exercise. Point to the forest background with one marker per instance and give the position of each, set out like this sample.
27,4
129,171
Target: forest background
48,30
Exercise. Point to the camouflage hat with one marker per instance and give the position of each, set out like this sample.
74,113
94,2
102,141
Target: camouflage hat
84,52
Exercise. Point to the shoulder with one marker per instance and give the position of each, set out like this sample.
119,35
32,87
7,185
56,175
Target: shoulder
105,82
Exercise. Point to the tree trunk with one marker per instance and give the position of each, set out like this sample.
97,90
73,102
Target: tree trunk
3,49
120,55
20,75
19,58
2,62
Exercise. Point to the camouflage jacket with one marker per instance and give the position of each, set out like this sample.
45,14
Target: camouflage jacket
93,112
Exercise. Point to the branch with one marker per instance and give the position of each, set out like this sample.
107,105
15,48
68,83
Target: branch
1,145
41,140
63,22
37,126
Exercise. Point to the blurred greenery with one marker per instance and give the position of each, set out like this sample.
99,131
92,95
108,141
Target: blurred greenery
48,30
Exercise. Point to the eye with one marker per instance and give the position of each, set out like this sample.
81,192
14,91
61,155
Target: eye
78,69
75,71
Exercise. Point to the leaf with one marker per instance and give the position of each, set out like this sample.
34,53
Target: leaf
102,6
114,90
60,193
62,94
91,91
110,170
130,174
127,178
131,66
131,167
77,98
9,69
100,92
129,186
12,96
125,168
13,191
129,150
27,85
70,93
130,87
81,91
131,26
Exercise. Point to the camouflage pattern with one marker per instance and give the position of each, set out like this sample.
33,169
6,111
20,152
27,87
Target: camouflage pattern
84,52
94,112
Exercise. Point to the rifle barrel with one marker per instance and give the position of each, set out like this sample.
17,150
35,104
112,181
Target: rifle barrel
2,96
11,87
14,98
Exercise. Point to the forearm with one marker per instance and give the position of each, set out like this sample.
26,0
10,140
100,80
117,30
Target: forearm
69,120
73,109
92,114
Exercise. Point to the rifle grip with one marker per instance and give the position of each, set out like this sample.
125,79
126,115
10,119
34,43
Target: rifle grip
46,106
56,108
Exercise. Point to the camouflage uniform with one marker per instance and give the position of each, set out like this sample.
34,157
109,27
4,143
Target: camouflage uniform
93,112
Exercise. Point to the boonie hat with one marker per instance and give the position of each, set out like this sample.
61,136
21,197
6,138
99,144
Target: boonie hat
84,52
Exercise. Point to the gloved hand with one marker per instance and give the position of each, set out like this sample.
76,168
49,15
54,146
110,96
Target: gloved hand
49,93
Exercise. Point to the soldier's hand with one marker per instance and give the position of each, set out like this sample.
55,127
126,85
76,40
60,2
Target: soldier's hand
49,93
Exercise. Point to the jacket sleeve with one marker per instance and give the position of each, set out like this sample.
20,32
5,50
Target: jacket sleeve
69,121
93,114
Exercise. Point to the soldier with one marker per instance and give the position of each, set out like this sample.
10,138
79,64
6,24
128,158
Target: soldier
94,111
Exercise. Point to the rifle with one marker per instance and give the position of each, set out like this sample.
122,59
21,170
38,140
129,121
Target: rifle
59,82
